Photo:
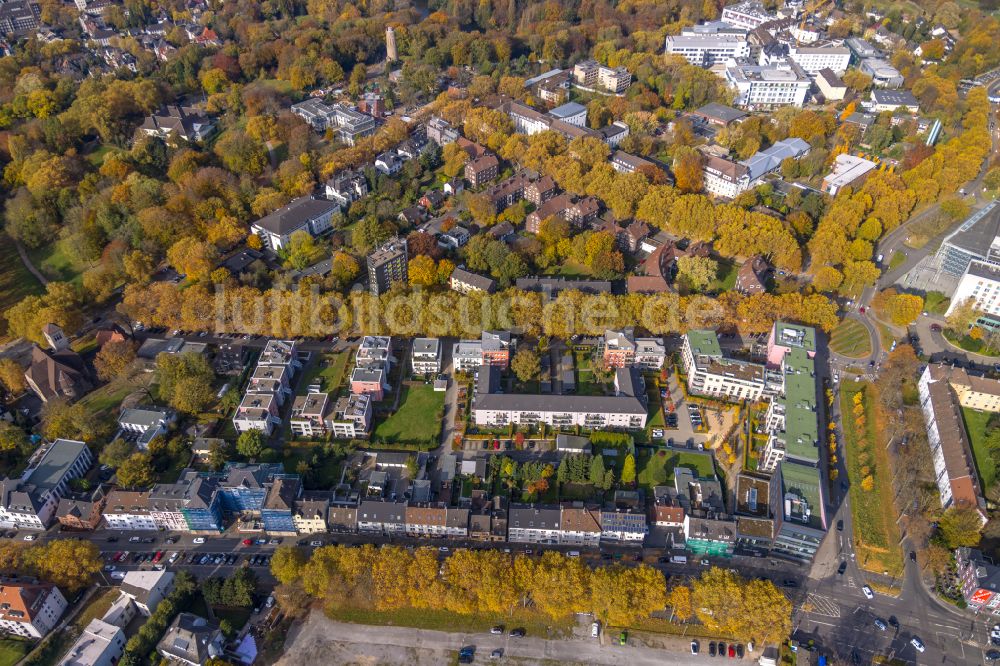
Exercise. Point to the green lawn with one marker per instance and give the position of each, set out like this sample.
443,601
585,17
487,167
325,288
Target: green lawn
237,616
534,623
569,269
329,369
12,650
418,419
656,466
850,338
56,262
975,426
936,303
96,157
968,344
16,281
726,279
896,260
875,532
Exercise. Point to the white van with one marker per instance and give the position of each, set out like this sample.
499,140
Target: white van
595,629
679,559
573,553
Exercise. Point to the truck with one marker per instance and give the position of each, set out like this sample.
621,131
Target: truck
678,559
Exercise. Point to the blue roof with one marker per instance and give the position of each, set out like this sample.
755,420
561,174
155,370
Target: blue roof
568,109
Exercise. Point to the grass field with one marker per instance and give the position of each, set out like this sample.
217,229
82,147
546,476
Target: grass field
936,303
535,624
55,262
16,281
897,260
876,535
12,650
329,369
850,338
975,426
968,344
726,279
656,468
417,419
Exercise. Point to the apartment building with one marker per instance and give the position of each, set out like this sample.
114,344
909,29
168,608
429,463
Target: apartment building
465,282
711,373
382,517
29,608
626,409
31,501
623,526
706,50
972,391
482,170
257,411
388,266
309,514
346,187
811,59
352,417
147,589
307,214
309,414
951,451
791,418
622,349
440,132
100,644
531,523
591,74
767,86
128,510
425,356
801,520
979,580
724,178
748,15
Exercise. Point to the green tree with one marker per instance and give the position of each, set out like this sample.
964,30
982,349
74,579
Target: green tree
697,272
628,469
115,453
136,471
597,470
250,443
526,364
961,526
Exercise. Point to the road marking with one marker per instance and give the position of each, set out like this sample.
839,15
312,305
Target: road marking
821,606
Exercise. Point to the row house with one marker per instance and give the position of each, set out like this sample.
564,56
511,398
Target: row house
309,513
436,520
623,526
386,518
128,510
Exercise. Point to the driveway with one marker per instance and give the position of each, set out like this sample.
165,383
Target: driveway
321,640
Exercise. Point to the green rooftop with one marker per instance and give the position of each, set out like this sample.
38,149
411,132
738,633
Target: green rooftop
793,335
704,343
801,433
803,482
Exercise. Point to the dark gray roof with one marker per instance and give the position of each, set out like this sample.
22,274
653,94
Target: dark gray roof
190,638
554,285
528,516
979,235
487,400
382,512
295,214
901,97
726,114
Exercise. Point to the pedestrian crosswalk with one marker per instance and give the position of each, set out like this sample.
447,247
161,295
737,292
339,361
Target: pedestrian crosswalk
819,605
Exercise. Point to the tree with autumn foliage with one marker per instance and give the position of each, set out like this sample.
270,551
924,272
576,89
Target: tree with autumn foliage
688,174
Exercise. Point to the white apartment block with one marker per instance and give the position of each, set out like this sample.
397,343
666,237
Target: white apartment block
31,500
425,356
100,644
748,15
706,50
128,510
981,284
30,609
810,58
710,373
725,178
765,86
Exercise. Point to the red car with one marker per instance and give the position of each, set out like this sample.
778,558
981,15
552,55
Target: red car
158,556
862,309
117,555
732,652
247,542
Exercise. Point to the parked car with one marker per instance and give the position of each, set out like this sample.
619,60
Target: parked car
623,637
595,629
880,624
842,568
517,633
867,592
694,647
711,648
917,644
199,540
497,630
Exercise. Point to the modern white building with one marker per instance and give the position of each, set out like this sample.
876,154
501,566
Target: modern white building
425,356
572,113
625,410
128,510
810,58
303,214
144,424
30,609
711,373
883,74
706,50
352,417
100,644
749,15
31,501
766,86
981,284
147,589
847,170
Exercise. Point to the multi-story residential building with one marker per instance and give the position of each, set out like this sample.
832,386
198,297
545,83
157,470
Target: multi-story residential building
467,355
724,178
977,392
31,501
426,520
309,412
191,504
306,214
624,410
369,381
979,580
440,132
342,518
185,122
346,187
128,511
482,170
951,451
29,608
767,86
711,373
894,100
712,537
82,511
706,50
623,526
580,525
622,349
791,418
271,380
388,266
257,411
19,17
145,424
374,351
382,517
352,417
319,115
830,85
628,163
533,523
541,190
572,113
752,276
352,124
100,644
496,347
614,79
465,282
388,163
147,589
748,15
425,356
279,504
801,515
309,515
191,641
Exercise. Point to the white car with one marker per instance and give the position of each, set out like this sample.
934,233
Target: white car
917,644
595,629
868,592
315,544
29,537
118,575
199,540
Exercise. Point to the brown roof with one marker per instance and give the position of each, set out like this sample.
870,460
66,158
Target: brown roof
955,445
668,514
483,163
580,519
21,602
473,149
427,515
646,284
127,501
750,278
56,374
